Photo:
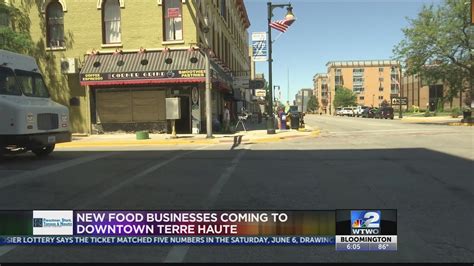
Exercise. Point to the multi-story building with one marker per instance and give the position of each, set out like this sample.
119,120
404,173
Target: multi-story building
430,96
373,81
302,98
113,62
320,90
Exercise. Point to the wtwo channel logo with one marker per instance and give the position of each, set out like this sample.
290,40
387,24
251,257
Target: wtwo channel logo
365,222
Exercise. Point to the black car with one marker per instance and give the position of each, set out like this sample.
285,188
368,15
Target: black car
385,112
369,112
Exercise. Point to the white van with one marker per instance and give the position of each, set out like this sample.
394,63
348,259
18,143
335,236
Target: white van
29,119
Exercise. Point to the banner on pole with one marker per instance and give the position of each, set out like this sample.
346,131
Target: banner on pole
259,46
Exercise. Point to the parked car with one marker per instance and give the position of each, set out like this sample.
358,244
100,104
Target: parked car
338,111
348,111
369,112
359,110
385,112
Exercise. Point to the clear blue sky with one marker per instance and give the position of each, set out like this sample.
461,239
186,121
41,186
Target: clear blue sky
328,30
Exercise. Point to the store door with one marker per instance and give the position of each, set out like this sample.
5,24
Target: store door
183,125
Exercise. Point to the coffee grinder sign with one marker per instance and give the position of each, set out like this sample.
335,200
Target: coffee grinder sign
144,75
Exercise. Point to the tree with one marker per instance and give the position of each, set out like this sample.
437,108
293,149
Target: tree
344,97
14,29
438,45
312,104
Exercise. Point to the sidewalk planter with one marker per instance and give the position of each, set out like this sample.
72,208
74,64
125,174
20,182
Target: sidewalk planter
141,135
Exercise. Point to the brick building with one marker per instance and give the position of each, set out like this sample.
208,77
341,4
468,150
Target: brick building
113,62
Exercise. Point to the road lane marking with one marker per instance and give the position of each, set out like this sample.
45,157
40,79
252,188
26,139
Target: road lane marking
5,249
10,180
45,171
225,176
134,178
178,253
391,130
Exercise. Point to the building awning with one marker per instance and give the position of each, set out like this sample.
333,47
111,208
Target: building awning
175,66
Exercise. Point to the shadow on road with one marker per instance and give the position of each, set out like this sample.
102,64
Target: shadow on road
424,185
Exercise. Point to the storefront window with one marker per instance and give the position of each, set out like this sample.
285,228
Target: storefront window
55,26
173,21
111,27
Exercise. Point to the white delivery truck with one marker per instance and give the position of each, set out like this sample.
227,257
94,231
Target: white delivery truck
29,119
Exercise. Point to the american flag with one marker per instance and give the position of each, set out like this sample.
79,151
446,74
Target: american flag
282,25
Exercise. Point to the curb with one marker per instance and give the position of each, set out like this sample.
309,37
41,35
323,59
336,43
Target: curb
134,143
461,124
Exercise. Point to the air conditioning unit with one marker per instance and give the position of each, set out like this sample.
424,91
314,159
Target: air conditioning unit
69,65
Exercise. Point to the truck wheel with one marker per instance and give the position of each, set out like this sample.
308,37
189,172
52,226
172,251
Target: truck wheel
44,151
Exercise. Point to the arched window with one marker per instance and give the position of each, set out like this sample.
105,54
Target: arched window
111,29
55,25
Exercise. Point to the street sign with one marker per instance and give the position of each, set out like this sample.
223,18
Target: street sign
173,13
242,82
396,100
257,84
260,93
259,46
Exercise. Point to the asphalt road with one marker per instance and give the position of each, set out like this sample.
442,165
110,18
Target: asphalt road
424,171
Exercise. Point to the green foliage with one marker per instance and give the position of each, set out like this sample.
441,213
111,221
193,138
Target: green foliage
14,30
344,97
437,46
312,104
455,112
440,106
413,109
428,114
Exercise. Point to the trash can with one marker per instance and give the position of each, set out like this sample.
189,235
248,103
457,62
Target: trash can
466,114
295,121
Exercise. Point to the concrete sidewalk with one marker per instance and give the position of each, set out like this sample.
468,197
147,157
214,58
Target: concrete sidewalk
242,137
435,120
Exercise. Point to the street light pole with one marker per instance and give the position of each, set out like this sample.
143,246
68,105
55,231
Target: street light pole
208,97
207,22
400,93
271,118
329,93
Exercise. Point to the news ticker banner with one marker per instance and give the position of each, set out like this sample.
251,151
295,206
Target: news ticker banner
67,227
